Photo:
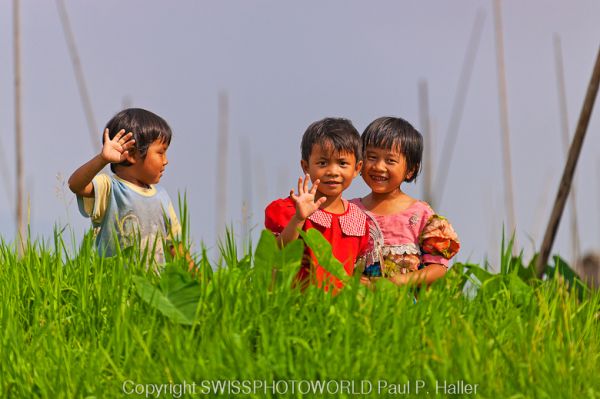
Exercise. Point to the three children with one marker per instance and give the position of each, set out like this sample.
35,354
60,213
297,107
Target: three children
385,234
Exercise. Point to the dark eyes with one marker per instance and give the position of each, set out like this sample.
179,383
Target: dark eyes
388,160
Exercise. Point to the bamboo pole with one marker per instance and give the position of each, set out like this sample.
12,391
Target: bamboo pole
569,171
508,178
20,179
79,77
428,142
564,122
222,163
262,189
459,105
246,173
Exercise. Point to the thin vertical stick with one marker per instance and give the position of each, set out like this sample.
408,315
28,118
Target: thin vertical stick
569,171
508,179
18,130
428,153
458,105
262,189
222,164
564,122
246,174
80,79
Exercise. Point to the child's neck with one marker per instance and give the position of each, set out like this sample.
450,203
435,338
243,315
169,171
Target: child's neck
388,203
129,177
333,204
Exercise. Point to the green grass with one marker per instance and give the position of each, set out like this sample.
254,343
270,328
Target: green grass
74,325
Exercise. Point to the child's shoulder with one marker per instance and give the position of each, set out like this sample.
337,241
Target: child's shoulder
419,204
415,206
357,202
281,203
278,213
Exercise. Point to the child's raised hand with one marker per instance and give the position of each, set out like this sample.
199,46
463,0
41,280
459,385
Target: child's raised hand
305,200
116,150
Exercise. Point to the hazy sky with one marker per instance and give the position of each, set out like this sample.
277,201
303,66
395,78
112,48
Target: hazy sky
286,64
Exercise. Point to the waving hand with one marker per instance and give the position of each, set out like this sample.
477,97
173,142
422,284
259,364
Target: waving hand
116,150
305,200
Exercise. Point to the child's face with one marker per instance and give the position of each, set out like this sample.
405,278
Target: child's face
334,169
150,169
384,170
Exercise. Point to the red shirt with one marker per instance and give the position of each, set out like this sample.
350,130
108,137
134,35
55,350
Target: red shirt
348,234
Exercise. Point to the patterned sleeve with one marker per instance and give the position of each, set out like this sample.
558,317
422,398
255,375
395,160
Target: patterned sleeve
437,239
278,214
174,225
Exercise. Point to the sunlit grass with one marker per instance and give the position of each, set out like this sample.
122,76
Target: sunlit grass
77,325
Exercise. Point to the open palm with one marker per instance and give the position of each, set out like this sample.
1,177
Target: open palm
115,150
305,200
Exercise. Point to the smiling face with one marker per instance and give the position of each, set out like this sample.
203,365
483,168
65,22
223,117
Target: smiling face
150,169
334,169
384,170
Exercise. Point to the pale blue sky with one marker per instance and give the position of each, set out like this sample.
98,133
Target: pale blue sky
285,64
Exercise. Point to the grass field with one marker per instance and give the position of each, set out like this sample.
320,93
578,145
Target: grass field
74,325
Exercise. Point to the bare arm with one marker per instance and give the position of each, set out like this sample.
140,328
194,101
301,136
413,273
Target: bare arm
180,250
80,181
427,275
115,150
291,231
305,206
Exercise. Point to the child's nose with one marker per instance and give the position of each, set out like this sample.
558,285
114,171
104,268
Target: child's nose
333,171
379,164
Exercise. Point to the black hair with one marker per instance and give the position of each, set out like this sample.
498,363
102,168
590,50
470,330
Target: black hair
338,133
396,133
146,127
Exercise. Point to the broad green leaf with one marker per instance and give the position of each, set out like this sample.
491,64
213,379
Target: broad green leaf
563,268
520,291
322,250
177,296
267,248
291,255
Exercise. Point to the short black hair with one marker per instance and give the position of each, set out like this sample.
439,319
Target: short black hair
396,133
146,127
338,133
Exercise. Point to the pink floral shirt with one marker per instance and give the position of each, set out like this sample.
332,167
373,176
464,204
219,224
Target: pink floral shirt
398,234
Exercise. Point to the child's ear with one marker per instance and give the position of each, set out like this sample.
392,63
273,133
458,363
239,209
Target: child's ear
304,166
410,175
359,165
130,157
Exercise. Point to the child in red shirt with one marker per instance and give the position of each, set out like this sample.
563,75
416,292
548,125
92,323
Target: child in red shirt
331,158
